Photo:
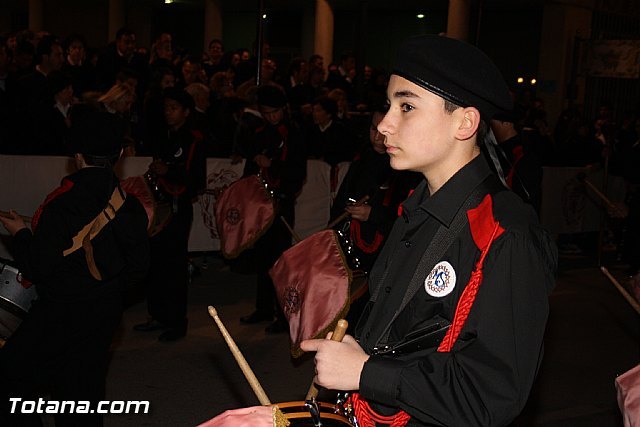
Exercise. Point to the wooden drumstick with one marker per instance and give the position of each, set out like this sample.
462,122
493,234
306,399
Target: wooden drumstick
242,362
631,300
8,215
338,333
291,230
346,214
601,195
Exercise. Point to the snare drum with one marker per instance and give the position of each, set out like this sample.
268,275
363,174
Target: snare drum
158,212
15,299
298,414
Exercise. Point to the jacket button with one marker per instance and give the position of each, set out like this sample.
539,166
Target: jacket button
407,243
387,289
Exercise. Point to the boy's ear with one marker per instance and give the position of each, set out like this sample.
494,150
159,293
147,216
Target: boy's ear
468,124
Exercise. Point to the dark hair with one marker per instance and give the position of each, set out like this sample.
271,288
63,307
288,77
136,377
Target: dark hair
483,129
216,41
97,135
180,96
328,105
296,64
45,46
124,31
450,107
74,38
315,56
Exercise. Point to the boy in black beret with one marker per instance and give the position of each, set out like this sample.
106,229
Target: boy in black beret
178,171
62,345
453,332
278,154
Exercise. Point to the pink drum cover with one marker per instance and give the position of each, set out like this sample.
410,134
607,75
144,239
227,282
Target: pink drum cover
137,187
244,211
628,388
312,283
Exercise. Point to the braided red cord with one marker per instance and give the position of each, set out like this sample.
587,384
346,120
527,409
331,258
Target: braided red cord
356,237
466,300
367,417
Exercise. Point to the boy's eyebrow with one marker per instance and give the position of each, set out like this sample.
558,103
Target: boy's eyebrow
405,94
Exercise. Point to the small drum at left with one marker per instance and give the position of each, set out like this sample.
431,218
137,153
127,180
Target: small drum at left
16,297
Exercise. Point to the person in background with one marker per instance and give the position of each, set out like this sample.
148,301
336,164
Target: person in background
520,165
179,172
329,139
62,346
278,154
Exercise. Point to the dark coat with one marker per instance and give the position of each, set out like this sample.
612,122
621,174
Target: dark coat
485,379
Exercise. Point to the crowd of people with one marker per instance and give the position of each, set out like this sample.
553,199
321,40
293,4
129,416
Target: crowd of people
426,197
43,76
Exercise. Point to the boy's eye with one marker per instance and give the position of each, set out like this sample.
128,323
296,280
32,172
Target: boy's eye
406,107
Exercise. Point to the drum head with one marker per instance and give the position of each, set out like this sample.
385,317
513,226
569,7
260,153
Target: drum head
15,299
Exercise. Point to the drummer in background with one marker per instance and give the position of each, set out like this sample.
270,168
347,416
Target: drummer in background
369,223
279,155
480,370
179,169
62,345
371,175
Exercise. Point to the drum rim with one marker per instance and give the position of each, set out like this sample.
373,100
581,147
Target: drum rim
301,403
323,416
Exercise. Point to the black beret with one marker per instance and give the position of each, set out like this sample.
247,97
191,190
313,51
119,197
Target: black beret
271,96
96,133
455,71
180,96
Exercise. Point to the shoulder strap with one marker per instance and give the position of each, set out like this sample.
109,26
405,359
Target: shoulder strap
442,240
93,228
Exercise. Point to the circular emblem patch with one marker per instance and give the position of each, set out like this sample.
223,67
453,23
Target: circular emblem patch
441,281
292,300
233,216
178,153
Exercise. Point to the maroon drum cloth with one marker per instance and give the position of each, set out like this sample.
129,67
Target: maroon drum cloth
137,186
312,284
244,211
628,388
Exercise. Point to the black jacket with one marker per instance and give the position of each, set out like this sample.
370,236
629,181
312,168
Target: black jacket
121,249
486,377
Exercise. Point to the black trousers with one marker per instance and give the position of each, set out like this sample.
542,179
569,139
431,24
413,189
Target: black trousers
61,350
168,278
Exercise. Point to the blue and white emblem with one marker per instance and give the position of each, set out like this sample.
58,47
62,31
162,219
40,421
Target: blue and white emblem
441,281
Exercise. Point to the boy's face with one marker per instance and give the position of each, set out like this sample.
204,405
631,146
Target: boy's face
419,132
174,113
272,115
